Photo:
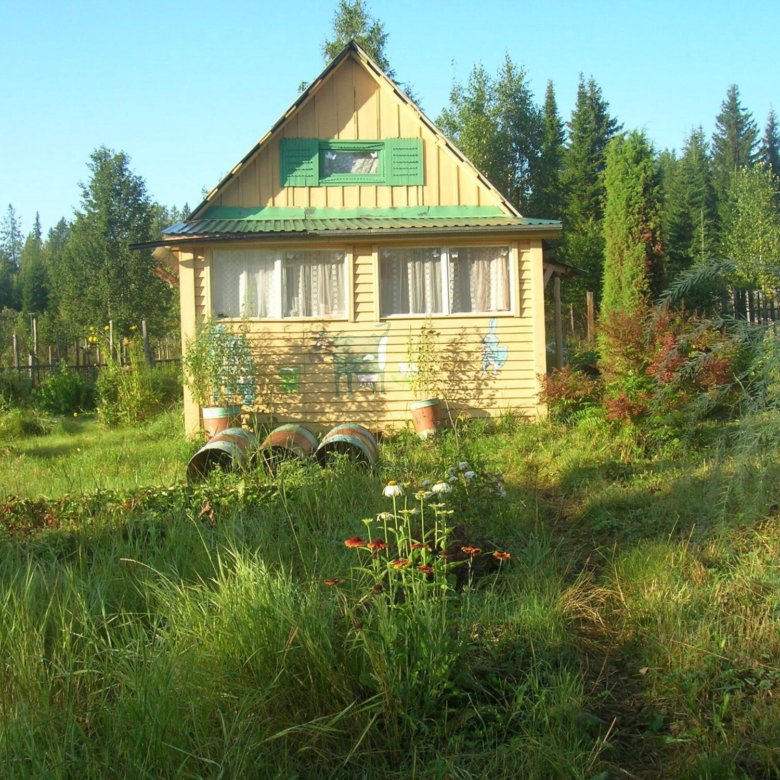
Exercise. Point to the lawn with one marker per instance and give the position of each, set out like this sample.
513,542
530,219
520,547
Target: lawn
598,610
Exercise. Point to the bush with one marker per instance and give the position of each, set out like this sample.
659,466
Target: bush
20,423
166,383
567,391
124,391
65,391
15,388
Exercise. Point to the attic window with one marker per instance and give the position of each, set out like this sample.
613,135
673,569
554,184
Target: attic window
312,162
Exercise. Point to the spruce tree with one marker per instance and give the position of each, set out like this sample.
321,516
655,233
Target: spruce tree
352,22
632,226
548,196
769,151
590,129
33,280
734,141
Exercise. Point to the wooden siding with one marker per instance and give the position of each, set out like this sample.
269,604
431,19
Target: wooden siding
325,372
351,103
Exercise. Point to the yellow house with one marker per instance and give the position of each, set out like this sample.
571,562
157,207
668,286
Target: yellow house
351,223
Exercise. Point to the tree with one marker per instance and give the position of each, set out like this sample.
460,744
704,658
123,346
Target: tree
33,280
11,238
734,141
769,151
590,130
689,214
100,278
548,196
632,226
751,228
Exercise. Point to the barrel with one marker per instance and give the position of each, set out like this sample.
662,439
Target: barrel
350,439
287,442
233,448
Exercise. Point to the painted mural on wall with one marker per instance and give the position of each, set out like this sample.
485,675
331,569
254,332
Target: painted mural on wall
289,379
494,355
363,362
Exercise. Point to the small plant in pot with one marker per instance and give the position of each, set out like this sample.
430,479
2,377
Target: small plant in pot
220,373
424,375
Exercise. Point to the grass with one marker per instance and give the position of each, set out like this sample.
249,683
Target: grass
175,631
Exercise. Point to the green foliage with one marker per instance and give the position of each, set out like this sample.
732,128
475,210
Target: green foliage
548,199
769,151
21,423
422,355
124,389
33,280
751,228
99,278
352,22
15,388
64,391
568,391
632,226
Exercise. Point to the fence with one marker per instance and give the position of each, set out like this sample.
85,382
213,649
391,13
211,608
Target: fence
86,356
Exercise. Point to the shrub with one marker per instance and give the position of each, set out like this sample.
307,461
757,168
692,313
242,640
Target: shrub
568,390
166,383
124,391
65,391
15,388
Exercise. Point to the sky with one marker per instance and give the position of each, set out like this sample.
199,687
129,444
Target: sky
186,89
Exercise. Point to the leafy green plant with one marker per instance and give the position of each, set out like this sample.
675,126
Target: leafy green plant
423,361
64,391
15,388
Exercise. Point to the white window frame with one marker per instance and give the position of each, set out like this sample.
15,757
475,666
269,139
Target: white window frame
279,283
444,260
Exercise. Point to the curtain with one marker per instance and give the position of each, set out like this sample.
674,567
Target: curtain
479,279
410,281
243,283
314,284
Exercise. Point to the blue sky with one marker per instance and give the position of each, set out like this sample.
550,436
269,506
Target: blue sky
186,89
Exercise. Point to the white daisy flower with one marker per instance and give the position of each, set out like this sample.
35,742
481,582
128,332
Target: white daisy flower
393,489
441,487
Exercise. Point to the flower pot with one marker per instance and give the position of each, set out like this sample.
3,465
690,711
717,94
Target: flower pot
219,418
426,416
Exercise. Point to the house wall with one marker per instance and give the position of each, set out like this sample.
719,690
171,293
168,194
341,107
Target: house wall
325,372
352,103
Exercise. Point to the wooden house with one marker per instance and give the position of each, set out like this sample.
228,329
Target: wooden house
351,223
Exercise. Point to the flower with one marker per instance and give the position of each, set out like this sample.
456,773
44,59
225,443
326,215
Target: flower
463,466
419,546
384,516
468,475
393,489
354,541
399,563
377,545
105,327
426,483
470,550
427,494
425,569
442,487
334,581
501,555
452,471
452,480
378,588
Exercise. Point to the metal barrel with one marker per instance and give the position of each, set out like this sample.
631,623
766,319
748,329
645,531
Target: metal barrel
349,439
287,442
233,448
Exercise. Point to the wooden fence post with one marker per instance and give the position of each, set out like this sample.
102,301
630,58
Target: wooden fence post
147,349
591,308
16,352
558,322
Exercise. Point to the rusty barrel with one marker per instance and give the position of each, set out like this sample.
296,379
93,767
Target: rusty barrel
287,442
350,439
233,448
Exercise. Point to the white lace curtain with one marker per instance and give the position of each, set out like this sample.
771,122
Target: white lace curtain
314,284
479,279
243,283
411,281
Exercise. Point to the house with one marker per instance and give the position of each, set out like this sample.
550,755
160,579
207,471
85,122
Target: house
348,225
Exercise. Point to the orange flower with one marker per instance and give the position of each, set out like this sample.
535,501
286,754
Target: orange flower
472,551
419,546
425,569
355,541
400,563
334,581
502,556
377,545
378,588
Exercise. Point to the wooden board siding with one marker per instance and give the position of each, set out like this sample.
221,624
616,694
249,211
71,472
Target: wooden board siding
352,103
325,372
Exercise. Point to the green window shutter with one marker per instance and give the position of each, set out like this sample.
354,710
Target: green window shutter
404,161
299,163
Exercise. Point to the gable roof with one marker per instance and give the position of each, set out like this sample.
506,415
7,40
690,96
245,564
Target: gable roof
354,51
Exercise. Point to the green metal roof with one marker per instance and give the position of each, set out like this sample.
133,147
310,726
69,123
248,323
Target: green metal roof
228,221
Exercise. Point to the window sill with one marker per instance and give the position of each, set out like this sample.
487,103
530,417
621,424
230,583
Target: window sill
453,316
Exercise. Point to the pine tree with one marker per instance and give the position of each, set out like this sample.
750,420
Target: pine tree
33,280
690,214
632,226
590,129
769,151
11,240
100,278
352,22
734,141
548,196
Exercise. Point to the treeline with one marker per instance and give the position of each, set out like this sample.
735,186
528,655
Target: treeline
82,273
717,197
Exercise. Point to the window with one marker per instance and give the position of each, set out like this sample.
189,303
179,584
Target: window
311,162
278,283
444,280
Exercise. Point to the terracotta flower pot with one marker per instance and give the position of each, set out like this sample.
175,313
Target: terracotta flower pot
426,416
219,418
